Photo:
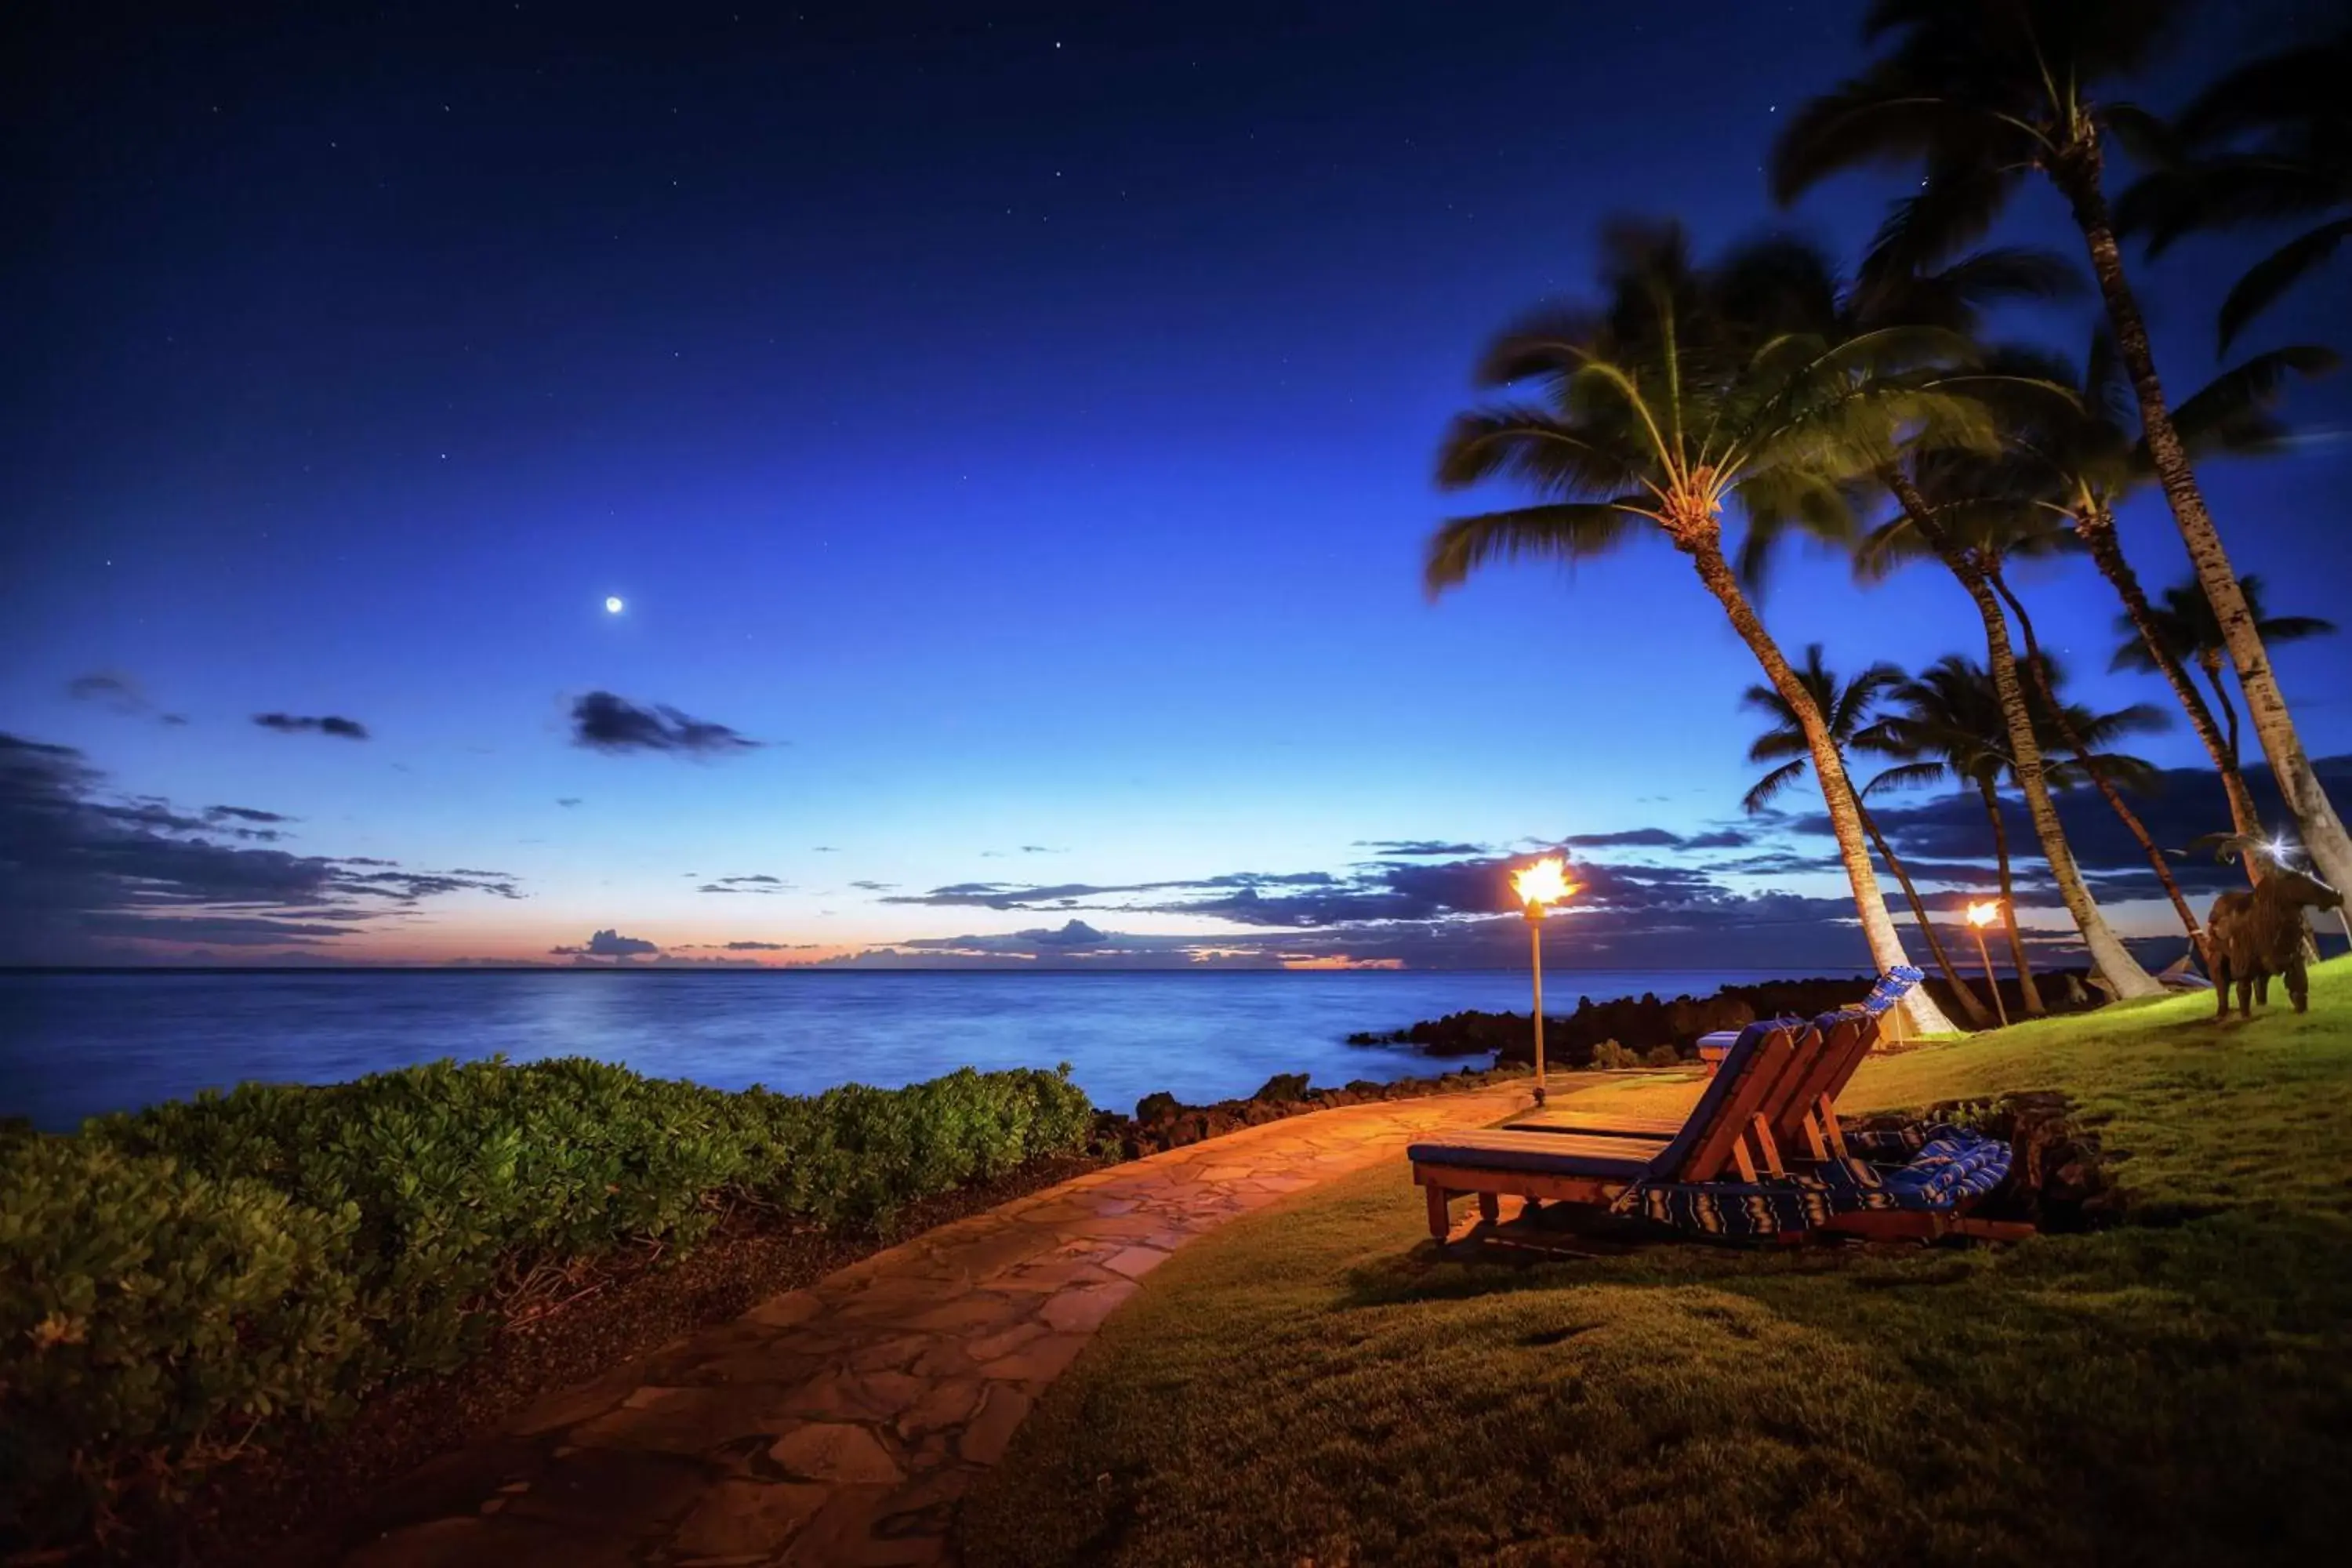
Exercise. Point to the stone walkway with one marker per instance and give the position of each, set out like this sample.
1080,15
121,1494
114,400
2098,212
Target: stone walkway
843,1424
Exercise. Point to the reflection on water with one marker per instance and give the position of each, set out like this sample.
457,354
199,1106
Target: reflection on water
75,1045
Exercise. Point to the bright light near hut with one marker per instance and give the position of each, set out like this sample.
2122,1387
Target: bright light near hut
1984,914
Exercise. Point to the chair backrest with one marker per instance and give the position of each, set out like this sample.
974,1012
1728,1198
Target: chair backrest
1845,1037
1848,1035
1754,1066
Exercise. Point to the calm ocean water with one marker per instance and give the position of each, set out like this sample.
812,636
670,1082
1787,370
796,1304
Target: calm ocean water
75,1045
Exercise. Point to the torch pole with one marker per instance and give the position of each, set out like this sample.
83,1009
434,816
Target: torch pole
1990,984
1535,950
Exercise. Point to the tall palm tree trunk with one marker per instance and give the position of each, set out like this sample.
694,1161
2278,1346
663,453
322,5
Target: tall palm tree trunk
2212,665
1829,770
2096,529
1967,998
2027,992
2076,174
2110,959
2098,774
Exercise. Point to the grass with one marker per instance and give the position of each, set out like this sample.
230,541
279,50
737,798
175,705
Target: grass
1314,1384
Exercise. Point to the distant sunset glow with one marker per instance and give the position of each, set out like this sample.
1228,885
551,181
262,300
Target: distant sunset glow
1983,914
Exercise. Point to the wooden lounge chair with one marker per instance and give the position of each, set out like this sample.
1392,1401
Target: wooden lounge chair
1705,1179
1803,1107
1596,1170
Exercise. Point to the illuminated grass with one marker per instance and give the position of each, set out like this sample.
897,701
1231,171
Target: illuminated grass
1312,1384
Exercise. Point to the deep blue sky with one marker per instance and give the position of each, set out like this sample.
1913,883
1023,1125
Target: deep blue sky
1020,425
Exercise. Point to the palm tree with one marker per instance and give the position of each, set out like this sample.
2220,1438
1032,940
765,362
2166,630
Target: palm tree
2185,630
1979,96
2271,140
1952,508
2080,460
1848,708
1663,407
1949,724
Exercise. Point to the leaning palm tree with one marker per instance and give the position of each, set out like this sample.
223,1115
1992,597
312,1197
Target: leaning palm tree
1848,707
2185,630
1979,94
2080,459
2270,141
1952,510
1949,725
1663,408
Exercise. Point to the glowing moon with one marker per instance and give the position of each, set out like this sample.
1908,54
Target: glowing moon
613,607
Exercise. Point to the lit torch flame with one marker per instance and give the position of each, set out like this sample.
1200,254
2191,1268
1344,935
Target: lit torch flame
1545,883
1983,914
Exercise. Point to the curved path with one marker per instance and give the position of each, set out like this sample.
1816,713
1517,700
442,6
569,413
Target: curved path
843,1424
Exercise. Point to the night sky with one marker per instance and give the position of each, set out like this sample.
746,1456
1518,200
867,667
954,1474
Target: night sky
1008,431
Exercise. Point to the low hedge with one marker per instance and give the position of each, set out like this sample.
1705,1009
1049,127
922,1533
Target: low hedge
172,1279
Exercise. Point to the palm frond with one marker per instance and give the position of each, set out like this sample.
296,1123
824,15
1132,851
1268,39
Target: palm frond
1562,530
2275,274
1770,786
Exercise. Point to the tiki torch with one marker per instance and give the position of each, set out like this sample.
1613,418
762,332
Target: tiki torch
1980,916
1542,883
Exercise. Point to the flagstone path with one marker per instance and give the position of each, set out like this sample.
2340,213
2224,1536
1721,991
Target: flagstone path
842,1423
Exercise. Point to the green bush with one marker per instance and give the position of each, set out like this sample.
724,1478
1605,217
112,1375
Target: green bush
1662,1056
171,1277
1609,1055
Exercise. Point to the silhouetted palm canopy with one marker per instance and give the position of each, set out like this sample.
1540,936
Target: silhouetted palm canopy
2094,448
1948,719
1979,94
2271,142
1847,708
1673,400
2184,617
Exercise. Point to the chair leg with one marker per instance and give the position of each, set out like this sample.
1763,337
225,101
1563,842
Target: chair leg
1490,1208
1439,1222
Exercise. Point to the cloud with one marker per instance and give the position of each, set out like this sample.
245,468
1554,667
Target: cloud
1943,838
1040,849
608,944
568,800
1416,847
760,884
84,872
115,693
331,724
873,887
1074,933
825,850
604,723
245,814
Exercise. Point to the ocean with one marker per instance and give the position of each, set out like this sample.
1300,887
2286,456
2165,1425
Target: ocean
73,1045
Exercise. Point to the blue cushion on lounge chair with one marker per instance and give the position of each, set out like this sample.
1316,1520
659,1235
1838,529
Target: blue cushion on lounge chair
1538,1154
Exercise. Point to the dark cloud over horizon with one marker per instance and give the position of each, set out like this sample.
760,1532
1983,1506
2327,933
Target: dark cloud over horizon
603,721
82,872
328,724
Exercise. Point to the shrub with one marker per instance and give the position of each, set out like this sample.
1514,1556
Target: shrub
1662,1056
1610,1055
171,1278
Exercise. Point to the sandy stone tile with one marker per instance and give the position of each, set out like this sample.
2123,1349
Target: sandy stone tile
835,1451
751,1519
1135,1262
1082,1309
947,1403
1038,1360
982,1440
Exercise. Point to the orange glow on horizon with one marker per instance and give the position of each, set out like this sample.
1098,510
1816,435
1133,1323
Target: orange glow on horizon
1984,914
1341,961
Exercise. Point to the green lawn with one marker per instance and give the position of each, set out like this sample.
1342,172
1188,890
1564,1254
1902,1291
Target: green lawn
1312,1384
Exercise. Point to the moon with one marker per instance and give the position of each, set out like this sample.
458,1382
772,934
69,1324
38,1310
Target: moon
613,606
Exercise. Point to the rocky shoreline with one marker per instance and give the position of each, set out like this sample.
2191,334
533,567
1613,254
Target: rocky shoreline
1161,1122
1632,1030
